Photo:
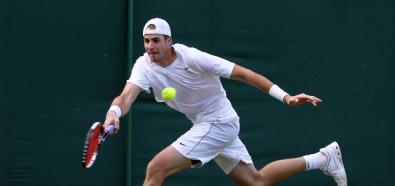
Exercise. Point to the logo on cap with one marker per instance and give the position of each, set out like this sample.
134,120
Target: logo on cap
151,27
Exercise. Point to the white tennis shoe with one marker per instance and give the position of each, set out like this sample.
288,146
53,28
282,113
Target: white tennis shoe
335,167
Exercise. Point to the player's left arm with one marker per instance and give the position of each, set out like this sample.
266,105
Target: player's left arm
248,76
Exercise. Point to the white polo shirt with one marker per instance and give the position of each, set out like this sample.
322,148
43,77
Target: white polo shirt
196,77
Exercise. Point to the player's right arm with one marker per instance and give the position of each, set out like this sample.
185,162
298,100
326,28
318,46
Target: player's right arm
124,101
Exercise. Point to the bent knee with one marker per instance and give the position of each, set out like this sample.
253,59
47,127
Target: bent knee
252,179
257,180
155,171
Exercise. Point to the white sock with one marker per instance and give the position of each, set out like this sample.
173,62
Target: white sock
315,161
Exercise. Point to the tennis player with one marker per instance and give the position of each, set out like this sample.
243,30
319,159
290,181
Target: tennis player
200,96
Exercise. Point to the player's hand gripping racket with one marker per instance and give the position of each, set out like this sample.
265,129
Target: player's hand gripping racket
95,137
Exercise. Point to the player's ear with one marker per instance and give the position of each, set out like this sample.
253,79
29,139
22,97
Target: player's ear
169,40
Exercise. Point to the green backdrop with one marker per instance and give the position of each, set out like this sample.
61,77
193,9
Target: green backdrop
4,62
62,63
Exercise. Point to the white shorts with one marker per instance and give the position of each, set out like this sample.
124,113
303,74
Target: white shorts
216,140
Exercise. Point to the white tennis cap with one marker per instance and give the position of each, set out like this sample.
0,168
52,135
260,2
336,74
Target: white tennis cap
157,26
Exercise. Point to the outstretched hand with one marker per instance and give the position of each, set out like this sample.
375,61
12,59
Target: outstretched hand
301,99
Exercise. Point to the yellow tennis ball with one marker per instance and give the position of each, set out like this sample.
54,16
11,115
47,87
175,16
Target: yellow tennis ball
169,93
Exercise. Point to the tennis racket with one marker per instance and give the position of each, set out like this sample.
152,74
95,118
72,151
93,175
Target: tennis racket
94,139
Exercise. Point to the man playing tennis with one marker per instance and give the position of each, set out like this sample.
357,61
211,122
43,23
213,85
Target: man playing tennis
201,97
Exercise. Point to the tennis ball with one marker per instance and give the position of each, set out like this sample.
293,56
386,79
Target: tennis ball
169,93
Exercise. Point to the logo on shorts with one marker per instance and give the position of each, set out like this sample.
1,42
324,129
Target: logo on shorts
183,144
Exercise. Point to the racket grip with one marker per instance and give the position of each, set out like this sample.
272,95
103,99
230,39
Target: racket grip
110,129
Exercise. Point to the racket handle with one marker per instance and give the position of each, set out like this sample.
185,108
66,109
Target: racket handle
110,128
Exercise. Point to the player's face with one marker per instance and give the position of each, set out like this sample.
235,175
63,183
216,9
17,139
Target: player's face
157,47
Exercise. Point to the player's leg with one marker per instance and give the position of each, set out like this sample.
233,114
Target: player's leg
329,160
165,163
246,174
279,170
